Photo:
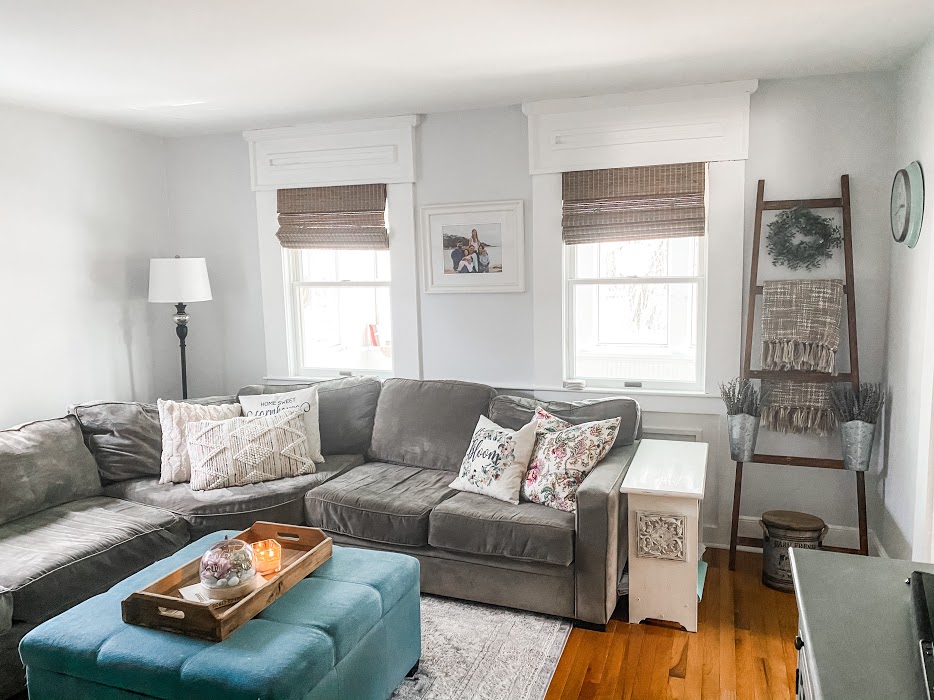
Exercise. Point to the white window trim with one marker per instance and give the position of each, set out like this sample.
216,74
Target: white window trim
645,385
291,266
299,162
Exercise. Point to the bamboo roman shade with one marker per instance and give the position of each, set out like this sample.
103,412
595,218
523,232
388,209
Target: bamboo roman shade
348,217
624,204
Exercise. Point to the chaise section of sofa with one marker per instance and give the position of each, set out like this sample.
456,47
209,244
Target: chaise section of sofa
61,541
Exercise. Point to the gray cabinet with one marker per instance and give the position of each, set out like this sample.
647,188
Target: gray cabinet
856,639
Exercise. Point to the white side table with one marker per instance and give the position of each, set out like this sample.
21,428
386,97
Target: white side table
665,484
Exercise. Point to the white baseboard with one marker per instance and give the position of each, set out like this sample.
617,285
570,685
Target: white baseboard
837,536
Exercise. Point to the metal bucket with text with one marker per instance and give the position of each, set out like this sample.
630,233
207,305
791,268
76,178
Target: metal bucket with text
782,529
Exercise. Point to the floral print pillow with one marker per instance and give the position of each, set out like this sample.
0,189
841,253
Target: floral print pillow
496,461
564,455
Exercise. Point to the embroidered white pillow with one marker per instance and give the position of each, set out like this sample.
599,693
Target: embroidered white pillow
174,417
306,399
496,460
243,451
564,455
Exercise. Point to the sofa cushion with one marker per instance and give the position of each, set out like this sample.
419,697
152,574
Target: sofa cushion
125,437
379,502
43,464
346,408
61,556
238,507
481,525
428,424
514,411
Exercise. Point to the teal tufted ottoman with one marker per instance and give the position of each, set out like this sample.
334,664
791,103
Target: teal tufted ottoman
350,630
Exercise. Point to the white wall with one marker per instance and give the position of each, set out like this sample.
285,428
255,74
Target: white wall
476,156
904,484
804,134
213,215
82,208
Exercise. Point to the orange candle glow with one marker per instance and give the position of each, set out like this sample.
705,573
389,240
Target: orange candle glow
268,555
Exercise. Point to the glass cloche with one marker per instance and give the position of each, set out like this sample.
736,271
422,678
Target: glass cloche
227,569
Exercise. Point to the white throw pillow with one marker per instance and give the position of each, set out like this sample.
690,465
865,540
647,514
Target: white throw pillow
243,451
174,416
496,460
306,399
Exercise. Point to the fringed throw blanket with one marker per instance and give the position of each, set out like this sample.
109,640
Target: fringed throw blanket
801,324
797,407
800,331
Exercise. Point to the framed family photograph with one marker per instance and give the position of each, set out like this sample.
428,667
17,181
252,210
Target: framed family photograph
476,247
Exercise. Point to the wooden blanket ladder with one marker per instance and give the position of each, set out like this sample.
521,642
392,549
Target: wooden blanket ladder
755,291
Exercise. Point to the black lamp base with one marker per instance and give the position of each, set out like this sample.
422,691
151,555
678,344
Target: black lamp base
181,330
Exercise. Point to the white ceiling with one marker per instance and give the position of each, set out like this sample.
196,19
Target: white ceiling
194,66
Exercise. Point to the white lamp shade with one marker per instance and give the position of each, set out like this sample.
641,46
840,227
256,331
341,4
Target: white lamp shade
178,280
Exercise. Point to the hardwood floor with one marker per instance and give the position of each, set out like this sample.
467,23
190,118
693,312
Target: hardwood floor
743,649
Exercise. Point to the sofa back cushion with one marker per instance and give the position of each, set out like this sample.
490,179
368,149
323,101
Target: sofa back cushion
346,408
427,424
44,464
125,437
513,412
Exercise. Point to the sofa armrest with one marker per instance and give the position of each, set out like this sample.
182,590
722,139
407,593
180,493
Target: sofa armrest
601,539
6,610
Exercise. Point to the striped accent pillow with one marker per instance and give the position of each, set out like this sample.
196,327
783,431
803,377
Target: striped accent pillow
242,451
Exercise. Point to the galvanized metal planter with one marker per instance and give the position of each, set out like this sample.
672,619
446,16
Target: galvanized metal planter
857,439
743,432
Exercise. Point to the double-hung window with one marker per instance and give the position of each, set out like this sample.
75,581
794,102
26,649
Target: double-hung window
635,272
336,261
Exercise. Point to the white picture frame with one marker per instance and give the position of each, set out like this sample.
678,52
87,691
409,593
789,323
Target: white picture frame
499,230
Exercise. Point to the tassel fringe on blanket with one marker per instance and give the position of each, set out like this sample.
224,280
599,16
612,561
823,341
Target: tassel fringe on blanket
796,354
798,407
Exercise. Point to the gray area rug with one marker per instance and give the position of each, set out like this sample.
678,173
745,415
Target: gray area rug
480,652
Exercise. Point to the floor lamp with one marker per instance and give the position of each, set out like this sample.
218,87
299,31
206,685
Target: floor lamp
179,281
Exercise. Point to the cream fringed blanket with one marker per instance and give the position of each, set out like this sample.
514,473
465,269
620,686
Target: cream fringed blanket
800,331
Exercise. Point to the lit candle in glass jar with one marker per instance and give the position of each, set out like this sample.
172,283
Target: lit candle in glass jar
268,555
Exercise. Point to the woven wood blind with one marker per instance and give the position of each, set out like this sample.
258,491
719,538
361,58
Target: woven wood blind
625,204
348,217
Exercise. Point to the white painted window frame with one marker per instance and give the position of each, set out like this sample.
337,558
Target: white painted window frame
570,335
697,124
320,155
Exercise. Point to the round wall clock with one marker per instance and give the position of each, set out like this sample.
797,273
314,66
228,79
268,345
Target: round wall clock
907,204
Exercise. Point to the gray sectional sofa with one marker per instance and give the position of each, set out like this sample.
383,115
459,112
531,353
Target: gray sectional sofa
84,508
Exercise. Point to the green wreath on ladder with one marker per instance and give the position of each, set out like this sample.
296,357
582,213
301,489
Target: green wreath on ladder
799,238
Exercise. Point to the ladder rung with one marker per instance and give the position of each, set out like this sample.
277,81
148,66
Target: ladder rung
842,550
778,204
759,289
794,375
749,542
792,461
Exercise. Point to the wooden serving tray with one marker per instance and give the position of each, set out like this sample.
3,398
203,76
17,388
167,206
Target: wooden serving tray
161,607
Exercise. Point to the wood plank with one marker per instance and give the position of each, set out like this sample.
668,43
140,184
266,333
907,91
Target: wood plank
744,644
795,461
850,278
799,376
750,542
781,204
753,278
734,519
759,289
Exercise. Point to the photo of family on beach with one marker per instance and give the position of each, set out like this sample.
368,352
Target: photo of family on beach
472,248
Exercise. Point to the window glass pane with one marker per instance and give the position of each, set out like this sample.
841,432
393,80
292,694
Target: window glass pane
345,328
639,332
664,257
344,265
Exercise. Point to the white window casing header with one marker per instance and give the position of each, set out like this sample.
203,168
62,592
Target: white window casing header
336,153
702,123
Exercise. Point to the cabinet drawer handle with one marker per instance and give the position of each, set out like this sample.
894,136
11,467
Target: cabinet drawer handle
799,643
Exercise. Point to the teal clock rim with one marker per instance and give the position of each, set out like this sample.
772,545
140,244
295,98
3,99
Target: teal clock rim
916,183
